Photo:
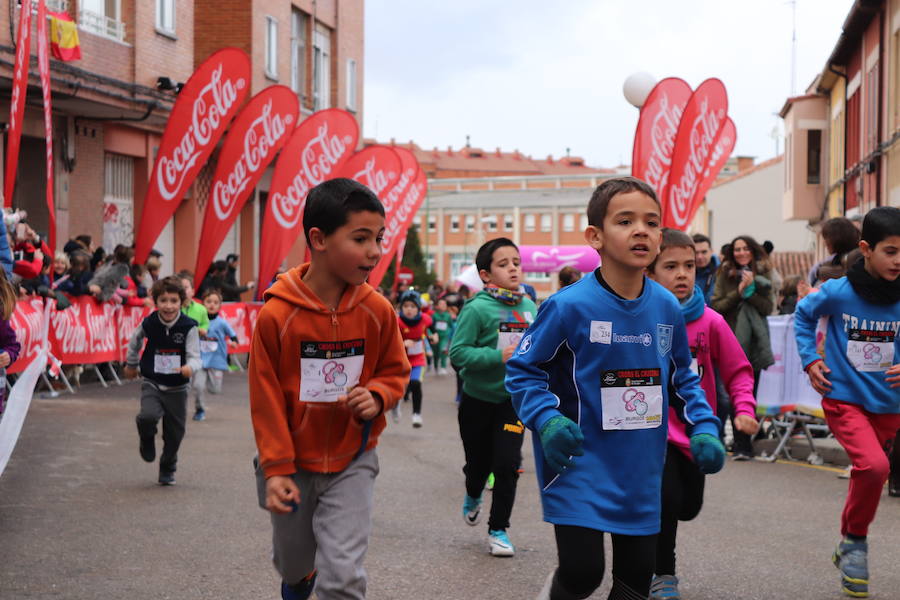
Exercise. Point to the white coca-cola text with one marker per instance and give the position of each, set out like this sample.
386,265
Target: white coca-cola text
663,129
373,177
399,217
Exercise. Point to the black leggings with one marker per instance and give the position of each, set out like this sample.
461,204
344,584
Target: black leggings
682,499
582,563
414,391
492,439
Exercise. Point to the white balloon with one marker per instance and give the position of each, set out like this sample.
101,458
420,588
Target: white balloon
637,87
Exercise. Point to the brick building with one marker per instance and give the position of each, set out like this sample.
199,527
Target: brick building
109,110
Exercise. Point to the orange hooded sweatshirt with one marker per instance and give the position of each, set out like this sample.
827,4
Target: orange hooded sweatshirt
295,331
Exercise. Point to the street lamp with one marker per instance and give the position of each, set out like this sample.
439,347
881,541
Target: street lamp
637,87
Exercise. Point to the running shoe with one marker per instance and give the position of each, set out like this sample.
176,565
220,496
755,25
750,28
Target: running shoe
500,544
166,477
851,559
416,420
664,587
301,590
471,510
148,449
200,415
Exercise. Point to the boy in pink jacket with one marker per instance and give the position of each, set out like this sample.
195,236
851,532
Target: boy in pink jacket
713,346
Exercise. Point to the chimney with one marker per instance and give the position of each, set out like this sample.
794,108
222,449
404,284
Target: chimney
393,142
549,159
449,150
499,153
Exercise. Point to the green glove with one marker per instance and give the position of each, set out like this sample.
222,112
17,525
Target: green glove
561,439
709,453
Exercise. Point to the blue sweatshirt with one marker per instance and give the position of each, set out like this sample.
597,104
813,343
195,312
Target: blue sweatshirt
213,346
861,343
613,366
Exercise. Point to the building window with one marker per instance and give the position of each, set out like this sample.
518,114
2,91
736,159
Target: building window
429,264
102,17
351,84
454,223
538,277
118,200
584,222
491,222
569,222
508,224
529,222
417,221
813,156
298,52
271,47
470,223
321,69
432,223
458,263
546,222
165,15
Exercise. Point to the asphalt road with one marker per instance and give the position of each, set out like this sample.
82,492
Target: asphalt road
81,516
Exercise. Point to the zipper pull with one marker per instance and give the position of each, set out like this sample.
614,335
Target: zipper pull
334,318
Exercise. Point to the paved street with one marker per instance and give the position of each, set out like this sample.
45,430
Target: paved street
81,516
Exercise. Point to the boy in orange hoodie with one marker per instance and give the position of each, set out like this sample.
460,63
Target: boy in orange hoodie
317,419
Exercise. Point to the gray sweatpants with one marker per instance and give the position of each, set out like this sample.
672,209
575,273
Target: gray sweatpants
171,407
329,531
206,380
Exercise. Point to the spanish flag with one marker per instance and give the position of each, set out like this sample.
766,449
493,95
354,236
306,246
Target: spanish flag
64,37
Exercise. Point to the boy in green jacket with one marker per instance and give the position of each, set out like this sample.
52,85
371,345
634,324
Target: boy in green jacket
442,326
191,308
487,332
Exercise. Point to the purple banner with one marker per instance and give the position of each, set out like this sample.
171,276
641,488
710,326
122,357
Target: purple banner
550,259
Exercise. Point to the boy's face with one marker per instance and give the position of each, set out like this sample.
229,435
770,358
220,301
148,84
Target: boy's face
212,303
352,250
631,235
675,270
704,254
441,306
188,290
505,269
409,309
884,259
59,267
169,305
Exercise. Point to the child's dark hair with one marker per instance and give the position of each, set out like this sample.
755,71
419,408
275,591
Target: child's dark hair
699,238
485,254
212,292
568,275
879,223
600,199
330,203
168,285
672,238
840,235
185,274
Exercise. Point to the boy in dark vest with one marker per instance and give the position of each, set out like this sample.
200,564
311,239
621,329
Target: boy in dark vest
171,356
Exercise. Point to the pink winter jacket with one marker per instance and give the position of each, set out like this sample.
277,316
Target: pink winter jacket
713,345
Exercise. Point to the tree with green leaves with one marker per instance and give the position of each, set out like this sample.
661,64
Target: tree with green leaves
414,258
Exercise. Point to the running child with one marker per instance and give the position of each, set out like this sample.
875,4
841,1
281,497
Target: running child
191,307
213,352
170,358
326,361
442,326
860,380
486,335
713,346
592,379
414,324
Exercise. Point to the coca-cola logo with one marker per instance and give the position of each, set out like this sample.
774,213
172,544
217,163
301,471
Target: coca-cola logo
373,177
394,194
259,140
403,213
208,115
663,129
21,64
703,131
318,160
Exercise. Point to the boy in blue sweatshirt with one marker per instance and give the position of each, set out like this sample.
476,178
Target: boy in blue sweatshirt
859,381
594,378
213,352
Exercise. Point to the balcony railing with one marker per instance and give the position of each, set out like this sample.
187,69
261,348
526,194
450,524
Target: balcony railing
101,25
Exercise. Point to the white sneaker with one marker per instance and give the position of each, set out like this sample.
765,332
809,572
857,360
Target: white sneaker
396,414
500,544
442,371
545,591
416,420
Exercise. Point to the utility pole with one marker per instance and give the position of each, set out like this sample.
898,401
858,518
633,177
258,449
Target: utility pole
793,4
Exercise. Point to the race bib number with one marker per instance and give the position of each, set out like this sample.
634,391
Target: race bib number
440,326
329,370
209,346
631,399
510,333
417,347
869,350
167,363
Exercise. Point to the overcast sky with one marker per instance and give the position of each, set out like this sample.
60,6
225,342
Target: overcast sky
542,76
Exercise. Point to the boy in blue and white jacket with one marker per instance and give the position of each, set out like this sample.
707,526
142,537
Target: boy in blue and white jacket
859,377
214,353
594,377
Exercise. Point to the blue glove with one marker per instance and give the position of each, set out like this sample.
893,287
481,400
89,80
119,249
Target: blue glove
561,439
709,453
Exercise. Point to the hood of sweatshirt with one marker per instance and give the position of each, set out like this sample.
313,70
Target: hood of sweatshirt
289,286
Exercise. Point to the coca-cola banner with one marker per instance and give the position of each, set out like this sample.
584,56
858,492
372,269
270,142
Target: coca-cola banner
393,245
720,154
258,133
242,318
315,152
703,119
26,322
376,167
654,138
86,332
17,100
44,68
202,112
397,222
